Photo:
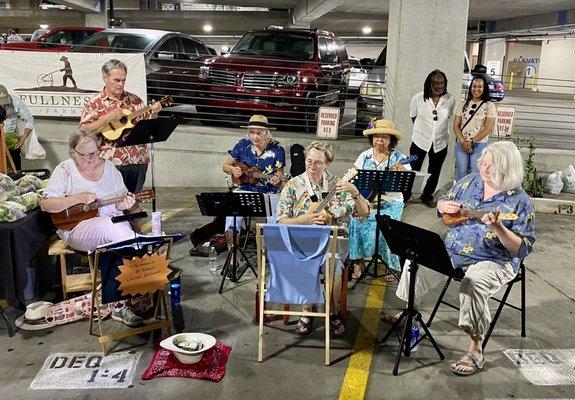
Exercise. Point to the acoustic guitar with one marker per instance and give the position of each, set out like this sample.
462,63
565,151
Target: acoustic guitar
372,194
320,206
466,214
253,174
116,128
72,216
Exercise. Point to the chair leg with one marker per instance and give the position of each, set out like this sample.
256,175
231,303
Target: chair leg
64,272
497,313
343,295
523,310
8,324
286,317
439,301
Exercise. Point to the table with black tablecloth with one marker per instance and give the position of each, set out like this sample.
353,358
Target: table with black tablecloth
19,242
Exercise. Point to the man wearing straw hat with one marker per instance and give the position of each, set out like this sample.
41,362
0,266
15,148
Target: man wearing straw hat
258,150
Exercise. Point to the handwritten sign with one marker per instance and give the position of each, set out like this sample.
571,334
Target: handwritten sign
327,123
142,275
505,120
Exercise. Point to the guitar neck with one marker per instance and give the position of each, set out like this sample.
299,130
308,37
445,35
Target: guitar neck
103,203
139,112
323,204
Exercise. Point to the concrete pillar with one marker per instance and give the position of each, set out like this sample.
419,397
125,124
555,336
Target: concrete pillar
493,55
423,35
98,19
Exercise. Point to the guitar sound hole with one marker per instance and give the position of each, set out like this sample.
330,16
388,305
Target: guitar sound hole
124,119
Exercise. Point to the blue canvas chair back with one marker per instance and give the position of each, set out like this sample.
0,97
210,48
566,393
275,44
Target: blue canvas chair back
295,254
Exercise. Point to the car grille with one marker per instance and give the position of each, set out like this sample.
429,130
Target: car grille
258,81
223,77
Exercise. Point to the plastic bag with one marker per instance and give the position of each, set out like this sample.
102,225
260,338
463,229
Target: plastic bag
11,211
32,149
569,179
554,184
6,183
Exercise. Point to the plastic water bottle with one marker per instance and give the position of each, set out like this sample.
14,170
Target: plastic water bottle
414,335
177,312
213,260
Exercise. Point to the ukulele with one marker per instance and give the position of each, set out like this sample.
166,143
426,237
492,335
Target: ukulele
116,128
369,195
72,216
320,206
466,214
253,175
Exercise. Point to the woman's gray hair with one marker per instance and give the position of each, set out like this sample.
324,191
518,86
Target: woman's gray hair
507,168
112,65
79,137
324,147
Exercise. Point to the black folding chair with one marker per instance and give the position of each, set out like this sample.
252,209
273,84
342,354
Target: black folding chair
502,302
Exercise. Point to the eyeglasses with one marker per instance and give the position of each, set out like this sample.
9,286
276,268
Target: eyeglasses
435,118
314,163
88,155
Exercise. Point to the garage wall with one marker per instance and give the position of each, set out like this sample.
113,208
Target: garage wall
557,61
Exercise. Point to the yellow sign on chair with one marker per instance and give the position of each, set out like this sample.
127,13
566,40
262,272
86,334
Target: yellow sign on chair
142,275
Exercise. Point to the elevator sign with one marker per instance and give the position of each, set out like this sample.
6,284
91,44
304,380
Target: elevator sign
327,123
504,121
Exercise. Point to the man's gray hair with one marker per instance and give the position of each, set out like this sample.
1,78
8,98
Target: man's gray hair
324,147
112,65
507,168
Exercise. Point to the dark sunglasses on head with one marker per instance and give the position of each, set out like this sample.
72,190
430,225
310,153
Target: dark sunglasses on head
435,118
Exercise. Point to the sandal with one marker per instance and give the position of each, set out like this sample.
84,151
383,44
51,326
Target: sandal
390,278
336,325
475,364
357,271
390,319
303,327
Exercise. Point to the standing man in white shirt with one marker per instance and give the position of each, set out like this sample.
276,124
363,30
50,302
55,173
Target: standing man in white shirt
431,113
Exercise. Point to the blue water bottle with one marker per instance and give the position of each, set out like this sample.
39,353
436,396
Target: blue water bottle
177,313
414,335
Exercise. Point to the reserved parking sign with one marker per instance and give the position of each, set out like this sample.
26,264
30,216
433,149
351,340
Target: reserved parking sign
327,123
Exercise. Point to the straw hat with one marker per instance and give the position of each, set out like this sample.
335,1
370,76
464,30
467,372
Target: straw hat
35,317
383,127
258,121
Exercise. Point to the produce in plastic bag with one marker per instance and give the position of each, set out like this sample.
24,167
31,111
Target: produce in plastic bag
554,184
569,179
28,180
11,211
30,200
6,183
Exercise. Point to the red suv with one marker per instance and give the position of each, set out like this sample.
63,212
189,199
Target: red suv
283,73
56,39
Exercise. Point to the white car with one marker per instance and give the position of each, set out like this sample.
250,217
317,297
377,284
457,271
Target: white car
358,73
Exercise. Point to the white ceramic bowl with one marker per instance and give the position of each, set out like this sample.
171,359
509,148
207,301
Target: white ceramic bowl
184,356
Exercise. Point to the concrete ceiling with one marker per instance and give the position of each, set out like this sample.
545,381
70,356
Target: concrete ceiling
344,17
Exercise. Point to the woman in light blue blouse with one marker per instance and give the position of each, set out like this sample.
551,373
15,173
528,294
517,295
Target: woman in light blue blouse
382,156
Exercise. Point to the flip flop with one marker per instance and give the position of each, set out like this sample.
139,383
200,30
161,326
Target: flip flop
476,364
390,319
304,328
336,325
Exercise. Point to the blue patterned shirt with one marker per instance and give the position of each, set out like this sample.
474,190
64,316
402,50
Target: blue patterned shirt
269,161
472,241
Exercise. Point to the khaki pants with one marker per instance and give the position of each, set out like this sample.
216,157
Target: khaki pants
482,280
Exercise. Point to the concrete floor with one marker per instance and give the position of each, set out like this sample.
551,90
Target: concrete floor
295,365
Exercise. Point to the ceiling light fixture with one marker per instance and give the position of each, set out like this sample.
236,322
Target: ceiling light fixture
207,28
366,30
43,26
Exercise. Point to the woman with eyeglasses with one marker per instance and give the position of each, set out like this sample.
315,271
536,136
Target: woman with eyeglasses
474,121
382,156
83,179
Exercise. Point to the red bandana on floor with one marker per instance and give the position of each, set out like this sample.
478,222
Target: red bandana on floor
211,367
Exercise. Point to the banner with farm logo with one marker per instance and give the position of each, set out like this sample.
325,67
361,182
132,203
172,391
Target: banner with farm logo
58,84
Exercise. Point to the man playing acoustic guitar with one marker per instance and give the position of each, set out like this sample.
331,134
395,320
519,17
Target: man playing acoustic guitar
305,193
257,151
106,107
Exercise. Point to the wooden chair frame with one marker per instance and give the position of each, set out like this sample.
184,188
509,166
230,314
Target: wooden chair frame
160,307
329,267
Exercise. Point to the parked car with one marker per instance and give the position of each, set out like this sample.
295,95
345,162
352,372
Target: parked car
284,73
172,58
57,39
358,72
371,92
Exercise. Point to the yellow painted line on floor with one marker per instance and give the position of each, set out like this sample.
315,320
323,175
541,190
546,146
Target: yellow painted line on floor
357,373
166,215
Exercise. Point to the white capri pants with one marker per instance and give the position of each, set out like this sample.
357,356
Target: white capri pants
94,232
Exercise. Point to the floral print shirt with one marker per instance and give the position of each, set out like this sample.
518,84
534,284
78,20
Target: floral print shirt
295,200
102,104
268,162
472,241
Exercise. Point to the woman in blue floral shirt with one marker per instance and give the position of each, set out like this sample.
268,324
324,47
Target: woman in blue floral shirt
488,249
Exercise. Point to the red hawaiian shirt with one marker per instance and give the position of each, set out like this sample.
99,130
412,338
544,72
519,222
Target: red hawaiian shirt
102,104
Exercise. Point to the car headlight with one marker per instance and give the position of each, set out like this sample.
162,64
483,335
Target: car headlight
371,89
286,80
204,72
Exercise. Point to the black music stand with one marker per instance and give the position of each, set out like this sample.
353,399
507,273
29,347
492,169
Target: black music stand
381,181
233,204
420,247
150,131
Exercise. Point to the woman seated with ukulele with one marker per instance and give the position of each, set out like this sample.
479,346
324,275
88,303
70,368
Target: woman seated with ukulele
256,163
342,199
83,179
383,138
